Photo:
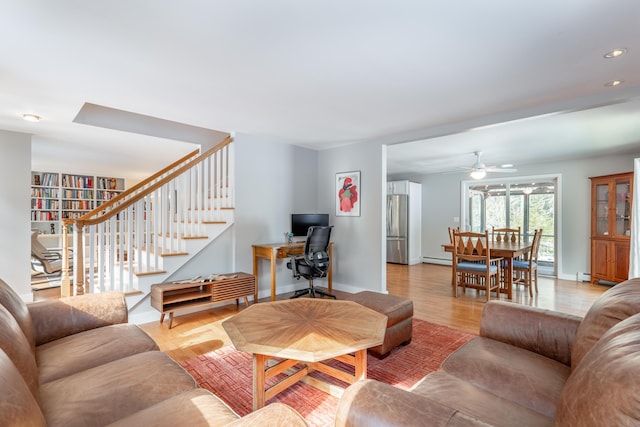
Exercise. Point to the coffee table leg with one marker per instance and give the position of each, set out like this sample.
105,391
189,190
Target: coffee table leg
361,364
258,380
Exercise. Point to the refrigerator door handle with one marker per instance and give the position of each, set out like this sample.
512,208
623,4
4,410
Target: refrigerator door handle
389,215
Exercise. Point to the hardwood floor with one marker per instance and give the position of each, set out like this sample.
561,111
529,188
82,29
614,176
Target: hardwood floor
428,285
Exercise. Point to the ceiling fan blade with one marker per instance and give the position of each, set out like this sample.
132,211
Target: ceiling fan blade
502,170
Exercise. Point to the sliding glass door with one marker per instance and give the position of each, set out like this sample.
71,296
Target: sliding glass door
529,204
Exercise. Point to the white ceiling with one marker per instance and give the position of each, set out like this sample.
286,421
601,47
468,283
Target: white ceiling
322,74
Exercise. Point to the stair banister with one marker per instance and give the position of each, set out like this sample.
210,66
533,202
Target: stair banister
177,200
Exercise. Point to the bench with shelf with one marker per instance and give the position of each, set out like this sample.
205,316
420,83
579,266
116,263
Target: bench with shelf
170,297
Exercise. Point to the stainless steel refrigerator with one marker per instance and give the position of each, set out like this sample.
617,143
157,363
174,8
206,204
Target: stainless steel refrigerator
397,227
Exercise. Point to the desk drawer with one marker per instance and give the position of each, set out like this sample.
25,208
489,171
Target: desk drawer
286,252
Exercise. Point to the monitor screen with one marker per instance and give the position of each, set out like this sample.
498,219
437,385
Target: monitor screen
300,223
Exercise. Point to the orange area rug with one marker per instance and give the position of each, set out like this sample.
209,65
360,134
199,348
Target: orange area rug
226,372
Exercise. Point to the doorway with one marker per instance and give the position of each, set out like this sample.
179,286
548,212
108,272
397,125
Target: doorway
529,203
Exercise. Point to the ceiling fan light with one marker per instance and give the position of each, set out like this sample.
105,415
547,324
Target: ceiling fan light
478,173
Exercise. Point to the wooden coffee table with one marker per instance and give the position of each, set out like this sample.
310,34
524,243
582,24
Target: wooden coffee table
307,330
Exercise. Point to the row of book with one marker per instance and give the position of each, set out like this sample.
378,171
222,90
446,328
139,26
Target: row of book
77,194
51,193
72,214
44,204
77,204
107,184
77,181
106,195
46,179
44,216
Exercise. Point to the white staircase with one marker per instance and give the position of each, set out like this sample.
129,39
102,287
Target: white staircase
150,231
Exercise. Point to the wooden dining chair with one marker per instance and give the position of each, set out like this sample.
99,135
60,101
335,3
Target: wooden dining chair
451,230
526,269
473,267
506,235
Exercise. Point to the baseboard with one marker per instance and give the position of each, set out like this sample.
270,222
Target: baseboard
435,260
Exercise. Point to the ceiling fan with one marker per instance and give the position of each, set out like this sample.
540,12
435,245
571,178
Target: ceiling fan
479,170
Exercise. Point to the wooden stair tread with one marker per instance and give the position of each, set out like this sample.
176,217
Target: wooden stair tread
149,273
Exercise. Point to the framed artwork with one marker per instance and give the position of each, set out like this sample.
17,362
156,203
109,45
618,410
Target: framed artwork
347,198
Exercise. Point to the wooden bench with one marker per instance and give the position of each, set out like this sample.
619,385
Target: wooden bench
170,297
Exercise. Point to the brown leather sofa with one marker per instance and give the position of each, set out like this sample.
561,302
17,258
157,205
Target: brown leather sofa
528,367
77,362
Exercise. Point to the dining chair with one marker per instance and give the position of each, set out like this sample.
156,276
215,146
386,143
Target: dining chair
451,230
526,269
473,267
505,234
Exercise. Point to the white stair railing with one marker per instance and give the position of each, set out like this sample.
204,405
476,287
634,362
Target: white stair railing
128,236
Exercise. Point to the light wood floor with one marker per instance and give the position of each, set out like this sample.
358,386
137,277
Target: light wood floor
428,285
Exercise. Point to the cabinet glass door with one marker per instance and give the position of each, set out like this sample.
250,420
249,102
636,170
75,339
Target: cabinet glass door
623,208
602,209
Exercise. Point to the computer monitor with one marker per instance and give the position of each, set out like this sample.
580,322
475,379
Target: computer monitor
300,223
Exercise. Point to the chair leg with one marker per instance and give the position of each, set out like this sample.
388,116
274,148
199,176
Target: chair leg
321,292
300,292
312,291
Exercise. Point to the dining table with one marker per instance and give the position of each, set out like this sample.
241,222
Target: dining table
502,249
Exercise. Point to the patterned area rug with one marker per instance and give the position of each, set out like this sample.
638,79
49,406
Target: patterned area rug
227,372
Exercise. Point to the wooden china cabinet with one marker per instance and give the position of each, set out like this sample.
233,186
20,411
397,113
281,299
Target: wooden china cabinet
610,227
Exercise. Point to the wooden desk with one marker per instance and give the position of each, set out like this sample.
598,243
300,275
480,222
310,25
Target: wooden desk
506,250
275,251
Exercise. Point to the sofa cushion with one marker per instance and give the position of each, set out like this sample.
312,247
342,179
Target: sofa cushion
19,310
604,388
473,401
197,407
15,346
373,403
546,332
85,350
106,393
18,407
521,376
273,415
57,318
613,306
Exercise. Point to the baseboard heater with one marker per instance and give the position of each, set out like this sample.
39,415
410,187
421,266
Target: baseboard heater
434,260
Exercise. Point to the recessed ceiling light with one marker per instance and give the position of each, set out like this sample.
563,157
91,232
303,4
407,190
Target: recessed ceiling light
615,53
31,117
613,83
506,165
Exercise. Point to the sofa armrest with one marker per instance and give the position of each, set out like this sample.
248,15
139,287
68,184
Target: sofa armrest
54,319
546,332
273,415
372,403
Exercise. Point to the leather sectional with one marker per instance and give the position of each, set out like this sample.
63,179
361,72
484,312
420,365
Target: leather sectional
528,367
77,362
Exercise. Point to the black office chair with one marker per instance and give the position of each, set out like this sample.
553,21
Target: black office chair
315,261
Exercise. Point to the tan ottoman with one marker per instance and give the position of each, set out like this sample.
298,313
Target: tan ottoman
399,312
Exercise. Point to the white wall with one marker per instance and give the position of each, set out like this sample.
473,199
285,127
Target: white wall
273,180
357,241
441,202
15,176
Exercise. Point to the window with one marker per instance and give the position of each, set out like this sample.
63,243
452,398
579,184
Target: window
529,203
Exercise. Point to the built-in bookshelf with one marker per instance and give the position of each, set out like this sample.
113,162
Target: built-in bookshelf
57,196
